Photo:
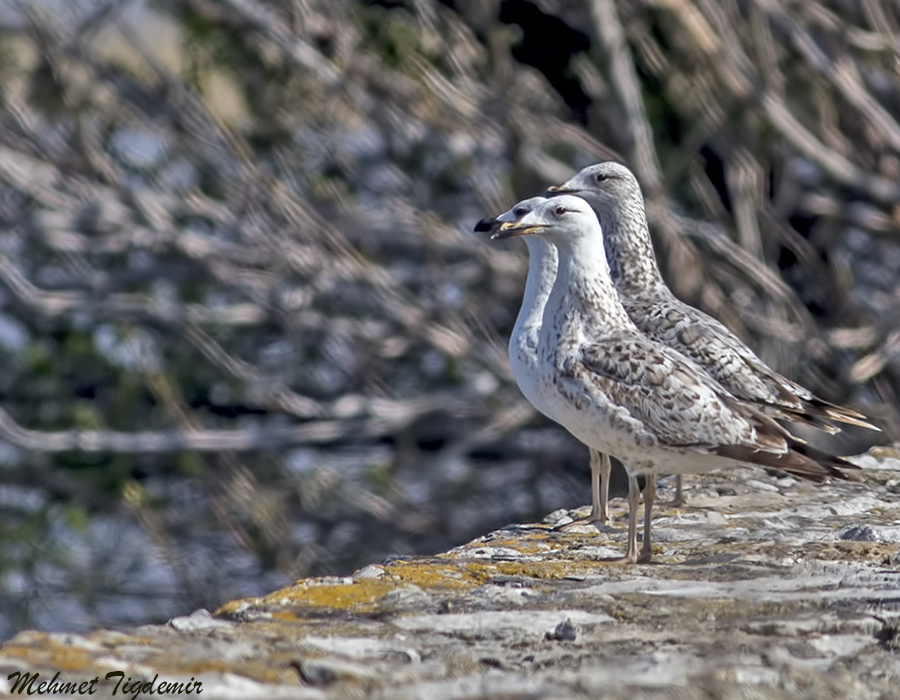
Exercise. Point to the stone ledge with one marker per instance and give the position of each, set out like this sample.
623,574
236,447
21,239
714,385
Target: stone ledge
761,588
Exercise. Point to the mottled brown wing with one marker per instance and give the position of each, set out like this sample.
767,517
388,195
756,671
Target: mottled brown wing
737,368
713,347
664,392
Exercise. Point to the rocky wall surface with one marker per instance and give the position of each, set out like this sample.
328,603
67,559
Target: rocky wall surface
763,587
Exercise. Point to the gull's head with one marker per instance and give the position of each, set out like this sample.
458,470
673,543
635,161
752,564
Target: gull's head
557,219
515,214
607,186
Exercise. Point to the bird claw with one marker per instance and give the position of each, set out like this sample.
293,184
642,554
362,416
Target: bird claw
591,519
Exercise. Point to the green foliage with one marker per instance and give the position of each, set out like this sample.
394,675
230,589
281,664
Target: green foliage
77,518
390,35
190,464
379,476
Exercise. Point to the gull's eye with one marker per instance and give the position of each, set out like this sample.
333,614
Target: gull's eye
601,177
519,212
560,210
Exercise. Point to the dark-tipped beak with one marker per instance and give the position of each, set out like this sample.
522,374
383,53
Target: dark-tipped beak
509,229
486,225
554,190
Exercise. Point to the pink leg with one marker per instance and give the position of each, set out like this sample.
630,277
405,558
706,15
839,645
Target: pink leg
649,498
634,498
600,469
678,501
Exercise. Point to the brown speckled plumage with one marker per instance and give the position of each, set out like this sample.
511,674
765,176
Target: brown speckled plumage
523,340
614,194
625,394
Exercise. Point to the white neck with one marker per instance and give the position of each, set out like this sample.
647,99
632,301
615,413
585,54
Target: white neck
524,339
583,289
541,275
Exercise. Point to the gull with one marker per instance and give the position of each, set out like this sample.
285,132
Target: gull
626,395
615,196
524,339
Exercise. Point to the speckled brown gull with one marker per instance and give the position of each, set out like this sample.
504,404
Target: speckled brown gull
524,338
626,395
615,196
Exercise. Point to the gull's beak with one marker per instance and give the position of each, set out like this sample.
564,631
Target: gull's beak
559,189
486,225
508,229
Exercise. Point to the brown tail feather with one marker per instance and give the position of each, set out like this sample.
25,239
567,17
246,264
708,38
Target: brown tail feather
850,419
800,460
798,405
841,414
800,417
776,447
829,461
774,444
770,434
787,461
838,409
818,414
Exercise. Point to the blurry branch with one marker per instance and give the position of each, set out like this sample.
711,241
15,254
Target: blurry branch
735,71
842,74
857,213
624,80
133,308
853,338
343,259
258,438
531,128
247,14
504,422
271,391
840,168
626,88
872,364
233,485
744,177
123,307
450,340
876,41
713,239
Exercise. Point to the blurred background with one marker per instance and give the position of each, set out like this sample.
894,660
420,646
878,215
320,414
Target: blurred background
246,332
